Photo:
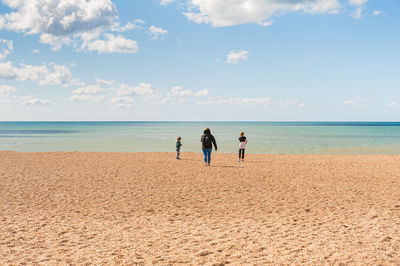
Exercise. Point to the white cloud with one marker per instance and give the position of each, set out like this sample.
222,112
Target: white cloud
136,24
2,22
393,105
122,106
2,101
61,75
70,22
157,32
103,82
250,101
236,12
35,51
202,93
44,75
122,99
112,44
237,101
266,23
357,14
178,91
58,17
6,47
7,71
56,42
166,2
164,100
122,102
123,95
246,101
6,90
204,103
234,57
357,102
178,95
86,98
141,89
32,73
359,4
91,89
378,13
116,95
6,94
34,101
292,102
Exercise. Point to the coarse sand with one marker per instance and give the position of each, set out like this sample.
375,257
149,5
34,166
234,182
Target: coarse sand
149,208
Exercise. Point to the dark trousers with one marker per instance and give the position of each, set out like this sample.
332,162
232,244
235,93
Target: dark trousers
241,153
178,152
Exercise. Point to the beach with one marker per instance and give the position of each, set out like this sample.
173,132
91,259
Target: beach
149,208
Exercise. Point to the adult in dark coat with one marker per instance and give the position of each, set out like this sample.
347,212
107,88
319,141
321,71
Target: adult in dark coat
207,141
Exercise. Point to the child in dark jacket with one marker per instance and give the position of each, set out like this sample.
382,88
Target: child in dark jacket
178,147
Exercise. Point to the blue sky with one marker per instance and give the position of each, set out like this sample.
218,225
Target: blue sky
256,60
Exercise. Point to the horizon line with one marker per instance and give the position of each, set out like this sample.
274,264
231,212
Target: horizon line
211,121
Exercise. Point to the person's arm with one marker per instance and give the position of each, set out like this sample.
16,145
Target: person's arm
246,140
214,142
201,139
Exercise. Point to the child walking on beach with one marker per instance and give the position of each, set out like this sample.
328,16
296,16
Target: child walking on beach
242,146
178,147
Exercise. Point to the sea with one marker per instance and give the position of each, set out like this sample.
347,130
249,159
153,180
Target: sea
263,137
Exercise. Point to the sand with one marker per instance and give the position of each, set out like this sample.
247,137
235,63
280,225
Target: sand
148,208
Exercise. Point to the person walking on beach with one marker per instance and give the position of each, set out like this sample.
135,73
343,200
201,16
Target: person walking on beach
178,147
207,140
242,146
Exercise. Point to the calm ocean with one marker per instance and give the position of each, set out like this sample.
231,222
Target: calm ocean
264,137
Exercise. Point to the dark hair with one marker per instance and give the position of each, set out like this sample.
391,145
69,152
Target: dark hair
207,131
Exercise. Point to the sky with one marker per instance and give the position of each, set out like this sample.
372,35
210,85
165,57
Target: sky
199,60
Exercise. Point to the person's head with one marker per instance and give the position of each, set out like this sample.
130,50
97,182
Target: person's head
207,131
241,134
179,139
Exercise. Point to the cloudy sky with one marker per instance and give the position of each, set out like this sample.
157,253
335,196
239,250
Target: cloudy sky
259,60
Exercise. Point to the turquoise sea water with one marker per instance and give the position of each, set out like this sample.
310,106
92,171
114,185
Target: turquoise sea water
264,137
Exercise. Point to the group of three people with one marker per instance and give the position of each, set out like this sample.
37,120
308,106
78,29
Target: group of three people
207,142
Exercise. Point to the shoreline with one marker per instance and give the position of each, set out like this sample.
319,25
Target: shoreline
213,153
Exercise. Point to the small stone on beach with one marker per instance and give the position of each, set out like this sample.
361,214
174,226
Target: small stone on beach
204,253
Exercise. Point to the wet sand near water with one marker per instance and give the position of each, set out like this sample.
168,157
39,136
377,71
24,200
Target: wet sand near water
149,208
